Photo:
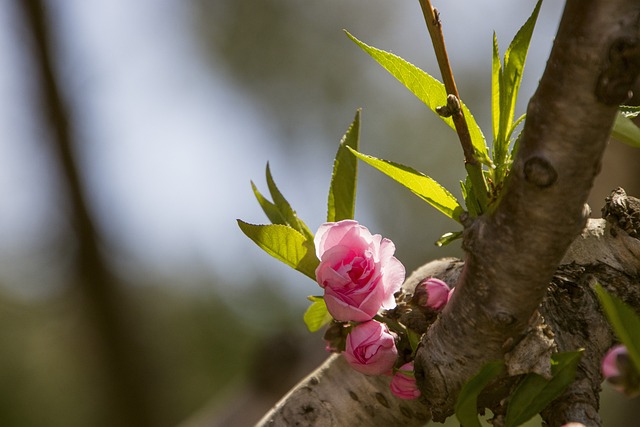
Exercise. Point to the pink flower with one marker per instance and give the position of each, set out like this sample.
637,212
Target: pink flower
371,349
357,270
403,383
437,294
573,425
610,368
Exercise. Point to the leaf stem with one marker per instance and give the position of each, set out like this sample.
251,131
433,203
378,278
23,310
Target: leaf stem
473,166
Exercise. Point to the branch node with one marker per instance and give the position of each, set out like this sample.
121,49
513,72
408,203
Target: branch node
539,172
616,80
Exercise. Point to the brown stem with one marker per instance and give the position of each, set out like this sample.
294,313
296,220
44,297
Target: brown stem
473,166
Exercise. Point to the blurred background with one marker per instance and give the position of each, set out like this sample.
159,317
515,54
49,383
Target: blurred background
128,295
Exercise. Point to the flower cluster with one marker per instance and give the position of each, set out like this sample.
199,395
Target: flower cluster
360,276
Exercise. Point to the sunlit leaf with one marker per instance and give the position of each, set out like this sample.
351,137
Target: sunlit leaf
534,392
285,208
447,238
284,243
428,89
630,111
467,404
624,130
269,208
317,314
421,185
510,79
342,193
496,73
625,322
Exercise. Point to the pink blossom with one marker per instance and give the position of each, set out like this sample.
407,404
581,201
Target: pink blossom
371,349
357,270
610,368
437,293
573,425
403,383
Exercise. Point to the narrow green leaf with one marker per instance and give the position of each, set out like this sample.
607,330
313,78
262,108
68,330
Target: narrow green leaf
624,130
285,244
514,60
447,238
428,89
625,322
317,315
285,208
342,193
269,208
630,111
421,185
534,393
467,404
496,72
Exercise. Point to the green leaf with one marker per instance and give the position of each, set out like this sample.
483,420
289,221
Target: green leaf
625,322
535,392
269,208
447,238
284,243
496,73
510,79
421,185
630,111
429,90
285,209
342,193
317,314
467,404
626,131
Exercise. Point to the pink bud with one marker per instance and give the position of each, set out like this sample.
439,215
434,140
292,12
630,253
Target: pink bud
403,383
619,371
573,425
610,368
437,293
371,349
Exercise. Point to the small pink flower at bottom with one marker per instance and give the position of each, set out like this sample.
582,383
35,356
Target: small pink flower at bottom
573,425
618,369
371,349
403,383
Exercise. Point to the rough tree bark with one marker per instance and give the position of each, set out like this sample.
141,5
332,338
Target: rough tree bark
504,306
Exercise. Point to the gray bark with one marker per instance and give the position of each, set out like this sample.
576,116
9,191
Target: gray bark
501,308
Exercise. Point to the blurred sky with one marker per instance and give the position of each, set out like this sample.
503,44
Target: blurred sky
168,147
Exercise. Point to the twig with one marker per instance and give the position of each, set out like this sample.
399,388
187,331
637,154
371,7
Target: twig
472,165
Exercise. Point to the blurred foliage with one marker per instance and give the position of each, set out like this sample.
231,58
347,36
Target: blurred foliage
195,349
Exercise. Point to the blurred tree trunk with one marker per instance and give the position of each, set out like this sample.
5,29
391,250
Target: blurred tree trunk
107,316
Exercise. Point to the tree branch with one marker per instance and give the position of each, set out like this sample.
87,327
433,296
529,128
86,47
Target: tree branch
512,253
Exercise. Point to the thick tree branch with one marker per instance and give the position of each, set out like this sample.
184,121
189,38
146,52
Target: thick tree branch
513,252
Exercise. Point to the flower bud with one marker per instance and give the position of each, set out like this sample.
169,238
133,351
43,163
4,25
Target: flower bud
371,349
618,370
403,384
432,293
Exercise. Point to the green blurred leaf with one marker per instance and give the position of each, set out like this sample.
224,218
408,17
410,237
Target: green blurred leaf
534,392
429,90
284,243
467,404
421,185
625,322
269,208
285,208
342,193
317,314
624,130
